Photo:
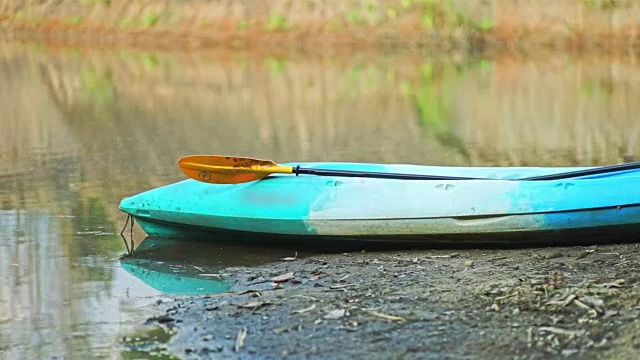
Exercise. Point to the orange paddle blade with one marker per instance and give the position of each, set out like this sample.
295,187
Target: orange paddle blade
216,169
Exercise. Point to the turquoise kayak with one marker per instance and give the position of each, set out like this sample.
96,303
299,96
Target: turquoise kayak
494,209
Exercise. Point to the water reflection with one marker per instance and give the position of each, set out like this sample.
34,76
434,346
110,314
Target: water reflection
60,293
148,343
180,266
81,129
173,279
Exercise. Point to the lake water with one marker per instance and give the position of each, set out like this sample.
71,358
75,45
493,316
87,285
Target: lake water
83,128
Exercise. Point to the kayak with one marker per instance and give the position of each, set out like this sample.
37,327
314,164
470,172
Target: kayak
493,207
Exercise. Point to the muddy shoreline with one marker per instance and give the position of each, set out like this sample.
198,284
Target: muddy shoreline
532,303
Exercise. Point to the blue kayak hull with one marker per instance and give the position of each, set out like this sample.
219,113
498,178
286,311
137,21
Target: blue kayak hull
487,211
569,235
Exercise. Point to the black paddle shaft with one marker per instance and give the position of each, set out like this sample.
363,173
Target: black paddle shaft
380,175
346,173
587,172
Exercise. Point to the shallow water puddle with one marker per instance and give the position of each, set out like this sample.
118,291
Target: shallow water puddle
146,343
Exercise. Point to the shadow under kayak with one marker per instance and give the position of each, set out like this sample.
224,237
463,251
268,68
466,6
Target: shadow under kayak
605,207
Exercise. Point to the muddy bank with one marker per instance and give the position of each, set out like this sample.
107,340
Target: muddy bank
447,25
580,302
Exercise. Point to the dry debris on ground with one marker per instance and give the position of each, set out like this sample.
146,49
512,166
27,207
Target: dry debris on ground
524,303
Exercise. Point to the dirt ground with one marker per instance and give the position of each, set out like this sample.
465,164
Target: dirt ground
531,303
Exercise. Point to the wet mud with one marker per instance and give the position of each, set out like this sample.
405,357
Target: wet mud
530,303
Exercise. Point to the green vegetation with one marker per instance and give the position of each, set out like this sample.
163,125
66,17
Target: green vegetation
74,53
356,71
150,20
96,2
596,89
74,20
243,25
427,21
355,17
125,23
449,21
99,86
392,13
276,66
149,61
601,4
485,65
277,23
432,97
434,14
485,24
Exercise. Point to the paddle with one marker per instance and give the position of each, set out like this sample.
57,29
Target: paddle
217,169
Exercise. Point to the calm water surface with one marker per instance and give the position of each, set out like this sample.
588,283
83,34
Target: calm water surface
81,129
